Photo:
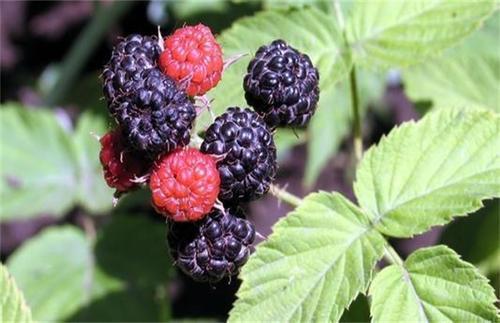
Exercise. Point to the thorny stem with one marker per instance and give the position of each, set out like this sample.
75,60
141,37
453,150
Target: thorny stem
358,138
285,196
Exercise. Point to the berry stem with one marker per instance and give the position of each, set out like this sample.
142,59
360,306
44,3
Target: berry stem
285,196
392,256
358,138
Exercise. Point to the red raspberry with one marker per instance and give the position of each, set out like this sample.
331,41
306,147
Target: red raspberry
193,55
185,185
120,165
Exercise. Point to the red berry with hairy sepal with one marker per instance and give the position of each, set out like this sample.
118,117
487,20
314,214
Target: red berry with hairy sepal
193,55
184,185
120,164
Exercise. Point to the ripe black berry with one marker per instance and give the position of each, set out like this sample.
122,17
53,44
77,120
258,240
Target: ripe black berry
282,85
245,146
129,59
212,248
155,115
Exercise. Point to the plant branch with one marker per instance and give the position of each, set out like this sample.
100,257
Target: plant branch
87,41
358,137
392,256
283,195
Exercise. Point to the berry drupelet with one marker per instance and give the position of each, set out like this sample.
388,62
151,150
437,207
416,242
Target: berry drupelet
184,185
246,154
193,56
282,85
132,56
120,164
213,248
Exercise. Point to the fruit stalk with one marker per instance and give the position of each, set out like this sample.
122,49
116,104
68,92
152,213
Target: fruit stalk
283,195
358,138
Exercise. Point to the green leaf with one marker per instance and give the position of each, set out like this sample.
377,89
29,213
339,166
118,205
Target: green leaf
483,236
143,260
399,33
317,35
13,305
332,122
46,169
422,174
312,267
93,192
54,270
117,278
38,165
286,138
433,285
468,76
328,127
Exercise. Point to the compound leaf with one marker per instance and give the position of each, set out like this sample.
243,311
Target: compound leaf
433,285
399,33
422,174
312,267
12,303
317,35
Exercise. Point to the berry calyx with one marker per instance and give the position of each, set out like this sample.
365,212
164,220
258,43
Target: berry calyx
121,165
192,55
213,248
184,185
282,85
246,154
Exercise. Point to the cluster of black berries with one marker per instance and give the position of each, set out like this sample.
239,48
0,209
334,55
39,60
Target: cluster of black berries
153,113
156,117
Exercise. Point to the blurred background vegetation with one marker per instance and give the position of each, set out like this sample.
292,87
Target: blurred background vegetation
76,258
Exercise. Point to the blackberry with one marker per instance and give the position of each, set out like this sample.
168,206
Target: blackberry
212,248
282,85
129,59
155,115
245,146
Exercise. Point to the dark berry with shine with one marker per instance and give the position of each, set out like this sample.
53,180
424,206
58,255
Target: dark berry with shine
129,59
281,84
212,248
156,115
246,153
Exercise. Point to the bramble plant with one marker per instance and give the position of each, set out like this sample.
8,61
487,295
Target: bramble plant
202,159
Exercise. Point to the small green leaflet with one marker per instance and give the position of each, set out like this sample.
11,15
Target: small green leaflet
317,35
318,259
46,169
399,33
433,285
422,174
13,307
